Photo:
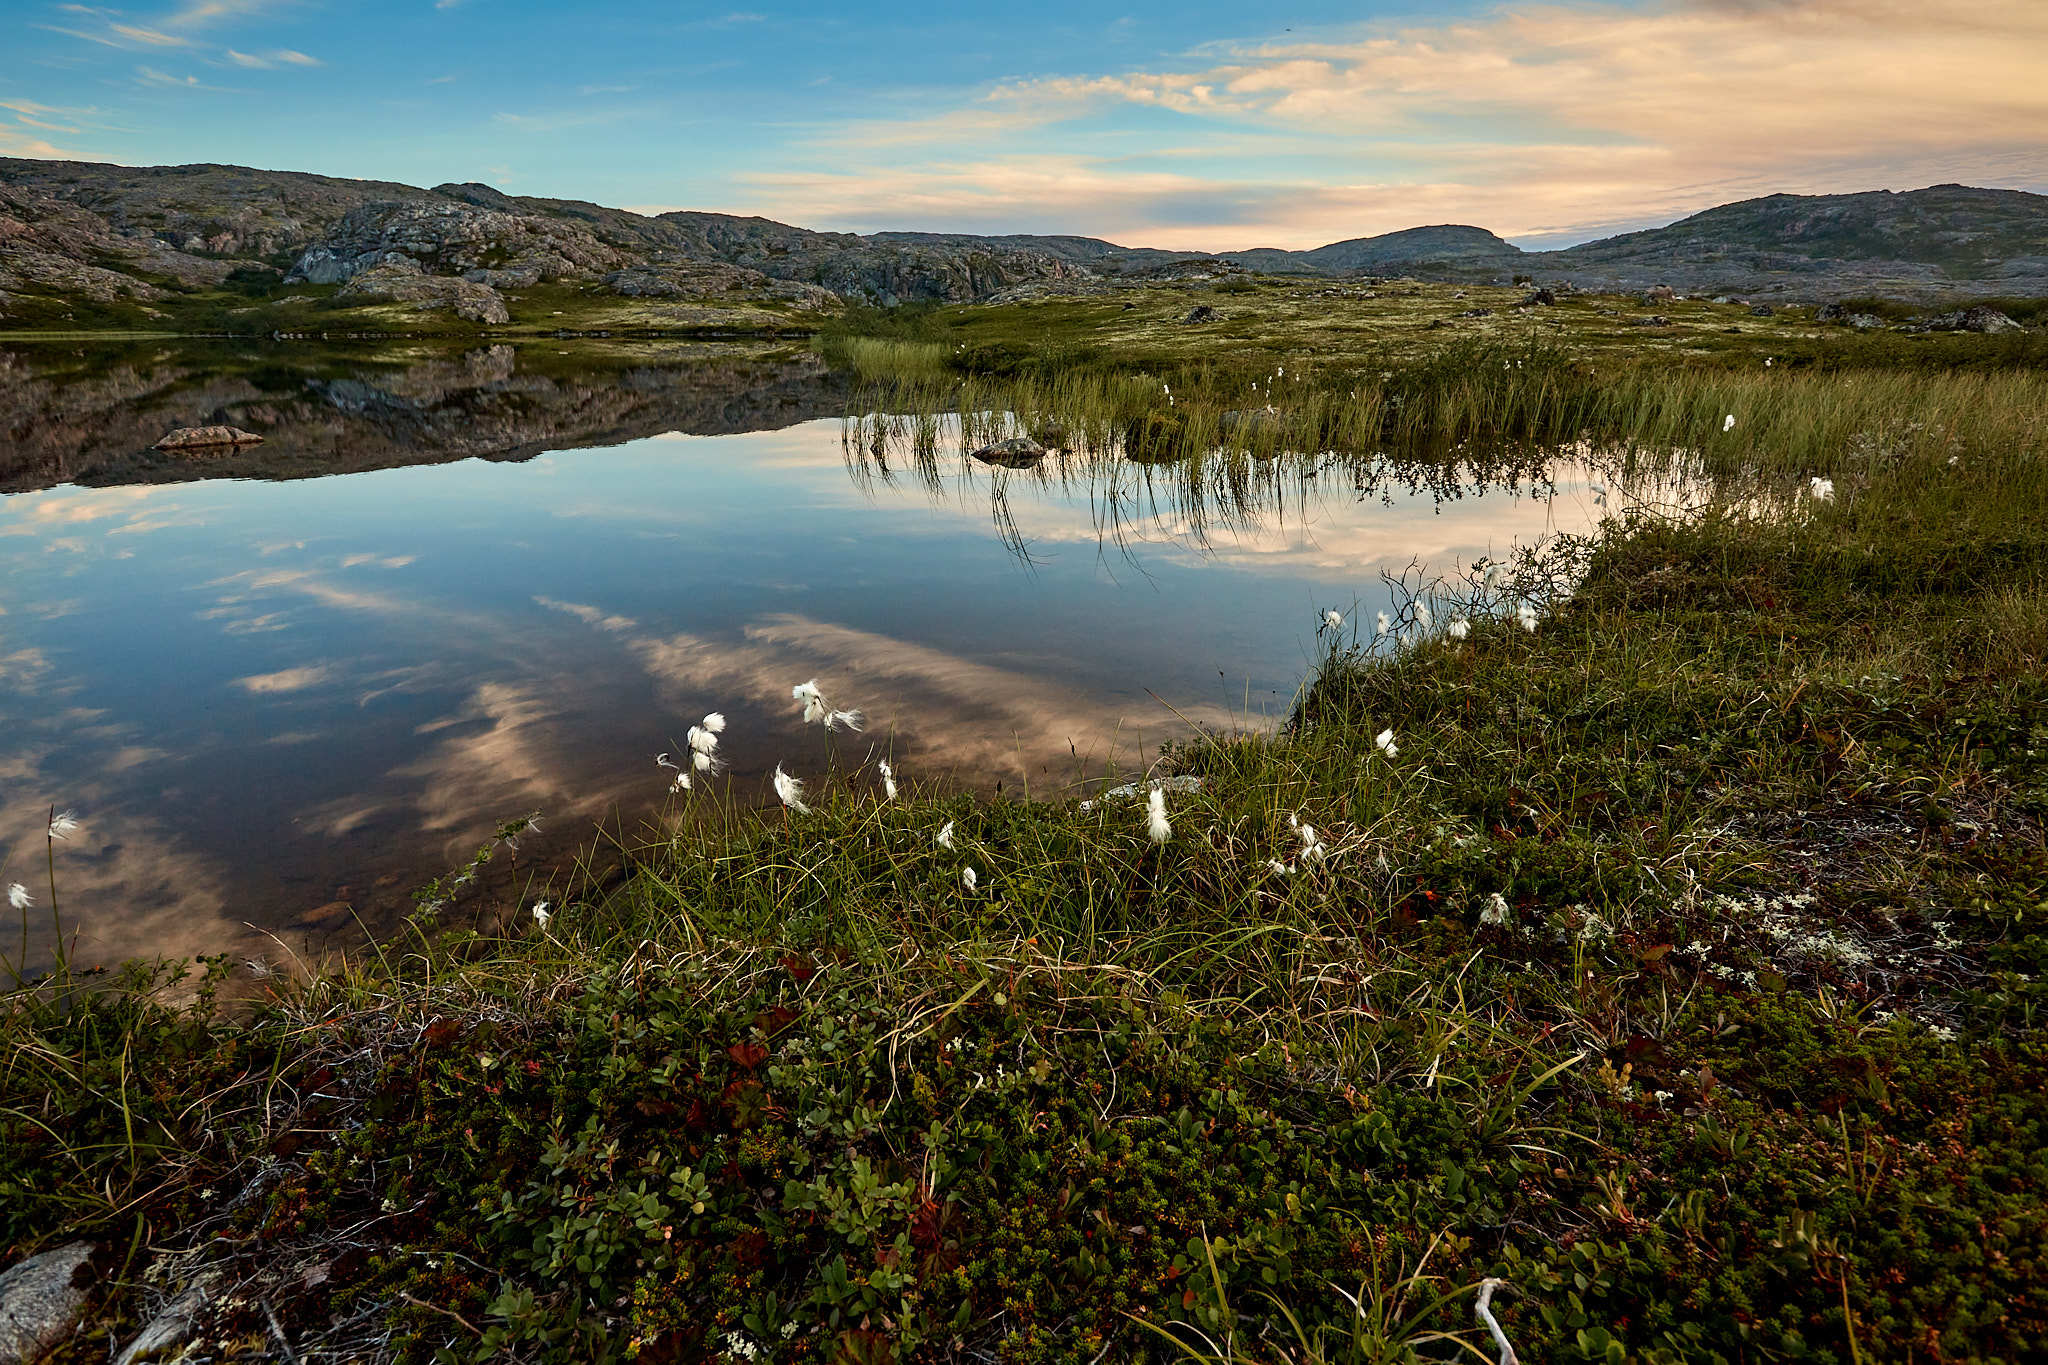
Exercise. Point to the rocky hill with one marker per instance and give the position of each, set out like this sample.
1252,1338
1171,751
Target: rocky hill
127,244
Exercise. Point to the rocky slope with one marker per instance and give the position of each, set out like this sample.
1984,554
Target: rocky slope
142,237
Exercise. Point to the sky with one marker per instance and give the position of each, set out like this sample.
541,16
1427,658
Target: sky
1194,125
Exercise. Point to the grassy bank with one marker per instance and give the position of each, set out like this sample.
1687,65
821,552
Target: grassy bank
1676,962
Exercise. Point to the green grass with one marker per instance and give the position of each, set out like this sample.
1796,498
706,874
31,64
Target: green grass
1681,967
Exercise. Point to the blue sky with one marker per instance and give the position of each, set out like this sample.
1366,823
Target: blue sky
1186,125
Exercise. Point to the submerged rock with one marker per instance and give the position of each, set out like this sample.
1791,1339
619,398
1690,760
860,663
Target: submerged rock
41,1299
1019,452
207,438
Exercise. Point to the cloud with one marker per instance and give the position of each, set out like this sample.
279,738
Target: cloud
286,680
1533,120
271,60
164,80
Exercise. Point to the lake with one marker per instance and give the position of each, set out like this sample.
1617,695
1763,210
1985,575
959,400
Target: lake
284,687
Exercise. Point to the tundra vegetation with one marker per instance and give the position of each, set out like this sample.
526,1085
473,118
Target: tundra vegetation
1653,922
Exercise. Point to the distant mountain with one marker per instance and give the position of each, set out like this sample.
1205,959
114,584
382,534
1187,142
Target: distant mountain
139,237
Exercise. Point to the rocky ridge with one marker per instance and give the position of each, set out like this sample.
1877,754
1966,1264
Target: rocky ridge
143,235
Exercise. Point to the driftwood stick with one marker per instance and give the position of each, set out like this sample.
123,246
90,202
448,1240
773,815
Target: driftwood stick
1483,1310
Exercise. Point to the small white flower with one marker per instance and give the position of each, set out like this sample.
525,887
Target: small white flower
1767,362
1492,575
850,719
702,741
1728,422
1384,742
1458,629
969,879
806,691
888,779
1495,914
63,824
715,722
1381,626
705,763
946,835
1526,614
1334,620
1823,489
681,784
791,791
18,897
541,913
1156,825
1278,868
663,761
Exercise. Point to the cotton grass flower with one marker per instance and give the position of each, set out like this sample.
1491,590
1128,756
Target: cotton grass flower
682,783
818,711
1278,868
969,879
1494,915
1422,616
707,764
1599,492
1381,626
945,835
65,823
1384,742
1459,628
1157,827
888,779
541,913
1728,422
1526,614
1334,620
1823,490
791,791
18,897
715,722
702,741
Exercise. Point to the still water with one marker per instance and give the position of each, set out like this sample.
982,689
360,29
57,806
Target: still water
280,702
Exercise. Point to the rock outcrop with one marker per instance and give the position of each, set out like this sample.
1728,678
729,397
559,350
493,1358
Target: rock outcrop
399,279
40,1302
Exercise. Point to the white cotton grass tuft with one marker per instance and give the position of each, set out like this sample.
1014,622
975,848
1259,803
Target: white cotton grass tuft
1333,620
969,878
1823,490
664,761
682,783
1381,625
702,741
790,791
1459,628
818,711
1526,614
888,779
1422,616
18,897
945,835
1599,492
1311,842
715,722
63,824
1492,574
1728,422
1278,868
707,764
1384,742
1157,827
1495,913
541,913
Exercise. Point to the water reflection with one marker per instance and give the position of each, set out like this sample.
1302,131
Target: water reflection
284,704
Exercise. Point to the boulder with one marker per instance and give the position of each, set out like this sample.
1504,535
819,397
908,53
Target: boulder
41,1299
1654,320
399,279
1202,313
1477,313
1019,452
1762,310
1539,298
1662,293
207,438
170,1329
1979,319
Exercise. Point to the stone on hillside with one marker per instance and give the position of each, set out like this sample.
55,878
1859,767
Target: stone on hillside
399,279
1662,293
1018,452
1202,312
1654,320
1762,310
41,1299
1477,313
207,438
171,1328
1979,319
1539,298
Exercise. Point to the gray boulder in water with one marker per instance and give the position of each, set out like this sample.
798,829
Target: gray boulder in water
1018,452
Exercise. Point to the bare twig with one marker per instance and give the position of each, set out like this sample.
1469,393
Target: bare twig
1483,1310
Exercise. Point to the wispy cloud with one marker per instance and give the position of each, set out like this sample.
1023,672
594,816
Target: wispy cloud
268,61
164,80
286,680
